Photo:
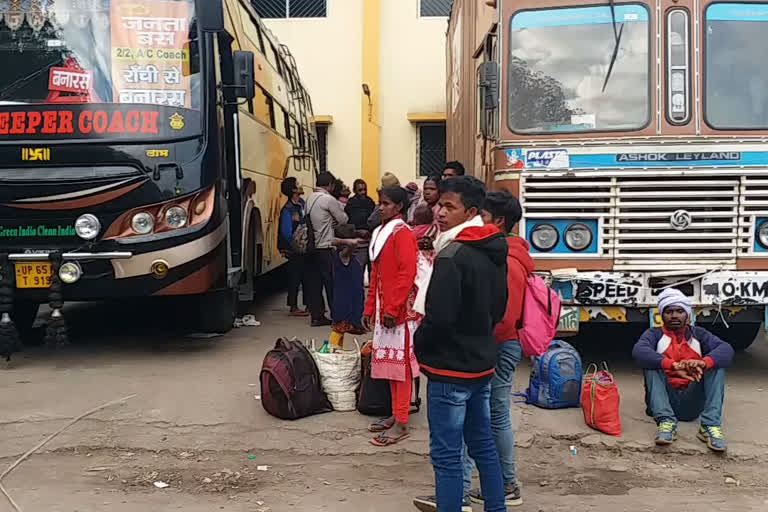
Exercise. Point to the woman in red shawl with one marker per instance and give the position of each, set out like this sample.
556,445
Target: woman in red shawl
389,311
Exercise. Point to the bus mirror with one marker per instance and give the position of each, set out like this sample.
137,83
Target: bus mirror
245,78
489,84
210,14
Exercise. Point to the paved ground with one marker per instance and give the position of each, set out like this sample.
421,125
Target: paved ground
195,423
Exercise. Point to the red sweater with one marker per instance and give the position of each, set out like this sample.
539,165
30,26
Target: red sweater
680,349
393,276
519,267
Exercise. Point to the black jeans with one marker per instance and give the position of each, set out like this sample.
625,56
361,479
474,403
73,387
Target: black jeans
296,277
319,272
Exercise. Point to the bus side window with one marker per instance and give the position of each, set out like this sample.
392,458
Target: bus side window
287,125
271,105
279,119
261,107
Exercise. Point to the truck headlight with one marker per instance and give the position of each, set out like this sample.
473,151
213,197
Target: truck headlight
578,237
87,226
762,234
544,237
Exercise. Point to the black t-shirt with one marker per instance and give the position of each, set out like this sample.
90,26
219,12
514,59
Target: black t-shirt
359,209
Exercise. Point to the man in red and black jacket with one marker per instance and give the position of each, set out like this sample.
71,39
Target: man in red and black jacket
456,347
503,210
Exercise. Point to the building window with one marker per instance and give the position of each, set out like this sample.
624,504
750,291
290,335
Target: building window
431,148
291,8
435,8
322,143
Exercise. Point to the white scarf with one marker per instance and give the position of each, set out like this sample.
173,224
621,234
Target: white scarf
380,237
443,240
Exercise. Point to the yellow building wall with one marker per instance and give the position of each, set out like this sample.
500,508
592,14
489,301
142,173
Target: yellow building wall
328,53
412,64
411,79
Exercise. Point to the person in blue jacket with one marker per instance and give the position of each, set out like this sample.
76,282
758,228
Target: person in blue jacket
291,216
684,370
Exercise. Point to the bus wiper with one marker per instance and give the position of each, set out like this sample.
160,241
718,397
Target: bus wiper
617,36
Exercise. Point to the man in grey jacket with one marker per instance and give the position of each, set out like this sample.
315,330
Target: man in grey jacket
324,212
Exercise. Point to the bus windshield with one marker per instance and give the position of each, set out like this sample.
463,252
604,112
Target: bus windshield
736,37
559,78
133,52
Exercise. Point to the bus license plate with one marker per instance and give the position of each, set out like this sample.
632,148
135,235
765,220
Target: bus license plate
34,275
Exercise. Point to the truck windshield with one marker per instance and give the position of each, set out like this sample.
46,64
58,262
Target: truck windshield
559,60
137,52
735,76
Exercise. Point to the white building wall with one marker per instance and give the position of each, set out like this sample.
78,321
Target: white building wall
328,53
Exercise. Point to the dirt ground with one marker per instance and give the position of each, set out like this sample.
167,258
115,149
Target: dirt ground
197,425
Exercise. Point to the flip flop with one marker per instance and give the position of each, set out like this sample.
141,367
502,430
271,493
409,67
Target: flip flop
381,426
384,439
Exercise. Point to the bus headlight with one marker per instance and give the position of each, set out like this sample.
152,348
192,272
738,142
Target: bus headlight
176,217
544,237
70,272
762,234
578,237
87,227
142,223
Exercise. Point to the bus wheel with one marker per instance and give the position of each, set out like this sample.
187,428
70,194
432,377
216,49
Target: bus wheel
739,335
216,311
24,315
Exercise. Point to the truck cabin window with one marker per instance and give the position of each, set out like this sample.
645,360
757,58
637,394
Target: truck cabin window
735,74
579,70
112,51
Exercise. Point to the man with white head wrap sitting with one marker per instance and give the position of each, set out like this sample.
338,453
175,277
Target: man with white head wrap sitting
684,370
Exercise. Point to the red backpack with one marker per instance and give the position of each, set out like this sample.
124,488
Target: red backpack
290,382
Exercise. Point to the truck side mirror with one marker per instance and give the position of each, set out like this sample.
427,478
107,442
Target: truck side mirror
488,75
210,15
245,77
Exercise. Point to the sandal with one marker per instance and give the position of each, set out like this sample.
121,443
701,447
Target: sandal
381,426
385,439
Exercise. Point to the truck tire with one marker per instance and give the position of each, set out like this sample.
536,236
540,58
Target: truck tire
24,315
739,335
216,311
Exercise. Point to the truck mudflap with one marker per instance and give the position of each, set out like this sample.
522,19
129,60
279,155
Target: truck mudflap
631,297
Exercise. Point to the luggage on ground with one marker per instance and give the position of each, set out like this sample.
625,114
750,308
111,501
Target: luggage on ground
290,382
555,381
340,376
541,314
375,396
600,400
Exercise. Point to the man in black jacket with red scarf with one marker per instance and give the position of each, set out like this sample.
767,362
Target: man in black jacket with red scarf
456,348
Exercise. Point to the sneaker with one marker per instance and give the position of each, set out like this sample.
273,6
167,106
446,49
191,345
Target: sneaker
429,504
511,495
667,433
714,438
298,312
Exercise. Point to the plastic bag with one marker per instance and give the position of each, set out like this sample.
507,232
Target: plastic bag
340,376
600,400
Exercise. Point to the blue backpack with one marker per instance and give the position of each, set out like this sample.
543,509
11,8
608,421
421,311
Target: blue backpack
556,375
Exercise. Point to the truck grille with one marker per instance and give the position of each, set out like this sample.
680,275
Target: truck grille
635,213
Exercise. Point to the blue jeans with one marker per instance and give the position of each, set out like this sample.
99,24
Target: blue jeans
703,398
458,413
508,357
